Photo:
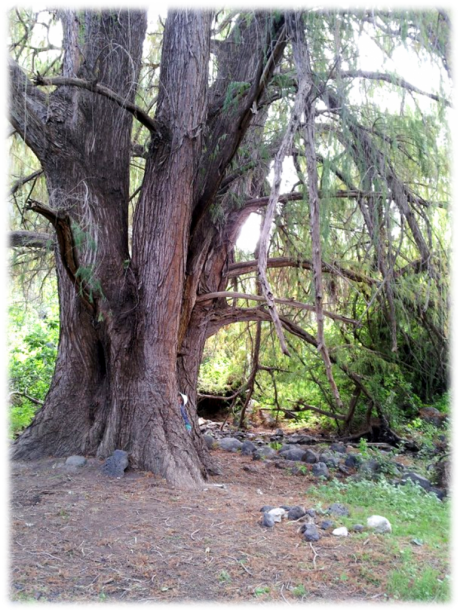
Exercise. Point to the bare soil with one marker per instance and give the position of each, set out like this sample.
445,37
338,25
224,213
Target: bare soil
78,535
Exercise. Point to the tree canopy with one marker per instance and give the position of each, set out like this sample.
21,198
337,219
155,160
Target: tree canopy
138,151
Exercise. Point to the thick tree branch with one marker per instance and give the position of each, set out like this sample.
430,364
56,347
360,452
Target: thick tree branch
31,240
22,181
61,223
260,298
228,316
394,80
153,126
28,110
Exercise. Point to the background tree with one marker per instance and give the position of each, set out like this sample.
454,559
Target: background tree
144,258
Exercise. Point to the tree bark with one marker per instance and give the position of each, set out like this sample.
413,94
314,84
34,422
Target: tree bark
130,338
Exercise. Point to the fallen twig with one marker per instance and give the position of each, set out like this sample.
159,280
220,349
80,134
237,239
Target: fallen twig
315,555
281,593
192,534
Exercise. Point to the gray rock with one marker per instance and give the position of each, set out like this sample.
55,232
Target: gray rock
340,532
329,459
339,447
267,508
277,514
293,454
352,460
210,441
75,461
310,532
264,452
311,512
268,520
320,469
338,510
358,528
326,525
440,493
231,445
248,448
296,512
379,524
310,456
370,467
420,480
116,464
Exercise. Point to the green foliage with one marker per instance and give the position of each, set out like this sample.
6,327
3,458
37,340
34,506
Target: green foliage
32,354
235,91
412,583
411,511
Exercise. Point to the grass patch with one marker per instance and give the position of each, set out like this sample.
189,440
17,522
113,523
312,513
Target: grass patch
412,583
414,559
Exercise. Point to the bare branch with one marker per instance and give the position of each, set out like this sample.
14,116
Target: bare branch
93,86
331,415
228,316
32,240
244,267
20,183
31,399
394,80
260,298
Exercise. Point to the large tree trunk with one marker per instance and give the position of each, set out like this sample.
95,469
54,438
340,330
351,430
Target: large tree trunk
130,336
115,382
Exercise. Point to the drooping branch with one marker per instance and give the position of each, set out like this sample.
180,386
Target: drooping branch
441,10
22,181
365,149
153,126
394,80
304,73
304,86
259,298
31,240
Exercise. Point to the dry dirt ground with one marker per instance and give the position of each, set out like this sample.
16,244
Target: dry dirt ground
78,535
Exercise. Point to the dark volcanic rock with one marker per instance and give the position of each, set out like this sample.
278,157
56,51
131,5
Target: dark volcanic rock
232,445
352,460
264,452
338,510
420,480
248,448
310,532
293,454
268,520
296,512
320,469
326,525
310,456
339,447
